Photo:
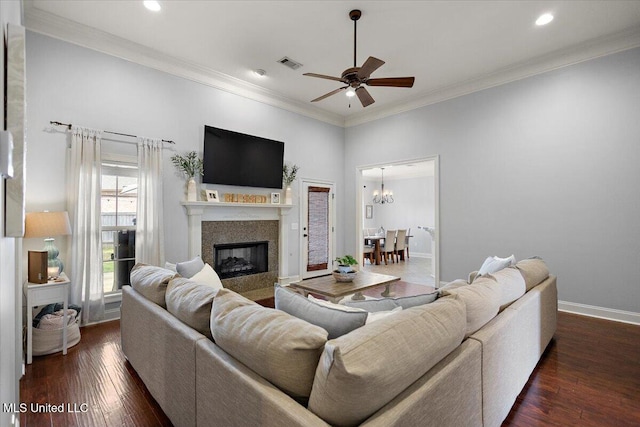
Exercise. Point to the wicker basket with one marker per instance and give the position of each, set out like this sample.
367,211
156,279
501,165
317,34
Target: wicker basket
344,277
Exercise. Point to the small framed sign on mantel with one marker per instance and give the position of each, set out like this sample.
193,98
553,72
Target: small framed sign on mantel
275,198
212,196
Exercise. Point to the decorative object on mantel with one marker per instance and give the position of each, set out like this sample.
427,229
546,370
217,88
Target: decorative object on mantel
383,197
244,198
275,198
212,196
288,176
190,165
345,271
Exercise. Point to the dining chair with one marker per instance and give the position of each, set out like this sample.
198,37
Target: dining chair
368,253
389,247
401,244
406,239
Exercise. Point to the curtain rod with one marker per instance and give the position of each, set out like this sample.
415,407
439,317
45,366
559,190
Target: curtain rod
106,131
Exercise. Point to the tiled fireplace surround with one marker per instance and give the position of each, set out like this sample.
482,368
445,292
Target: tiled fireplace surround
218,232
217,223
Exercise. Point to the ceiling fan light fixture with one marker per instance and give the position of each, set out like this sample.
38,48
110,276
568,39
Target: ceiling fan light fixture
544,19
356,78
152,5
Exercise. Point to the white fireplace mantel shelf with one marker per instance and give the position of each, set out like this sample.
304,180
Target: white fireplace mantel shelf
224,211
199,205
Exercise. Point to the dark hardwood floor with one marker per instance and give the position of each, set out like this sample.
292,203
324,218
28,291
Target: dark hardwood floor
589,376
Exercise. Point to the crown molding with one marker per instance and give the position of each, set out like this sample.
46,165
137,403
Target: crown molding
64,29
624,40
61,28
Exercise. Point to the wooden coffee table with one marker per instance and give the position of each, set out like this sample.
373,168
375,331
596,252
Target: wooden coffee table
335,291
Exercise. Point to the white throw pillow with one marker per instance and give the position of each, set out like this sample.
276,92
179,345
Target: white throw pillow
190,268
372,317
334,305
207,276
170,266
493,264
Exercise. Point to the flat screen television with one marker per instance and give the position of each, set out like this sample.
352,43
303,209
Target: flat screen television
233,158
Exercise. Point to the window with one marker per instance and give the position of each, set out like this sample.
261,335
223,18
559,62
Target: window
118,211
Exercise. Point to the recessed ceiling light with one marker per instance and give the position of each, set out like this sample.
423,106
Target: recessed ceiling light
152,5
544,19
351,92
260,72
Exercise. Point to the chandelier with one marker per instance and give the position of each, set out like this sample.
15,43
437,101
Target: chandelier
384,196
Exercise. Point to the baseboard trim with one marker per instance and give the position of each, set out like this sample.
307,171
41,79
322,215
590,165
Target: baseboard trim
600,312
419,255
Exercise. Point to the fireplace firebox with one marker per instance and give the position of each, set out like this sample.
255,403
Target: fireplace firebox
241,259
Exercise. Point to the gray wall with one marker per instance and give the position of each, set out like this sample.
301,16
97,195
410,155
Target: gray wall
545,166
10,296
77,85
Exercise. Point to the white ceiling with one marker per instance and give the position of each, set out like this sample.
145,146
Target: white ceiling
451,47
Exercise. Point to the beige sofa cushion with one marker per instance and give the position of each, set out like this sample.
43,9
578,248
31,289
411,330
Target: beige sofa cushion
481,300
191,303
151,282
363,370
511,283
279,347
534,271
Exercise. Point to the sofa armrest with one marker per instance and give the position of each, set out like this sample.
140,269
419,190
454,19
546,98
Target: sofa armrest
162,351
230,394
512,343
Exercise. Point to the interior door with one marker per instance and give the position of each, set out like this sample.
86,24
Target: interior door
318,239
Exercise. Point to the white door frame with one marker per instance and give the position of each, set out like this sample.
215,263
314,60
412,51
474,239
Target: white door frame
332,221
436,184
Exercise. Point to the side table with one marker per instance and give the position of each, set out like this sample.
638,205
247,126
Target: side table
47,293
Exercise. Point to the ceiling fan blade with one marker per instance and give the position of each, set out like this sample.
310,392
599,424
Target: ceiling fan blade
326,95
322,76
392,82
369,66
365,98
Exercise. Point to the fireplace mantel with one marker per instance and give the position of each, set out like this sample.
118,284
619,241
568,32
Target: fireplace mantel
223,211
214,205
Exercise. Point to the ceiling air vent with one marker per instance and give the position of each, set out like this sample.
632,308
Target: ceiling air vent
290,63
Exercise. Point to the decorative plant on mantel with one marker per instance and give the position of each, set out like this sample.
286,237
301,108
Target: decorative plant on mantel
190,165
289,174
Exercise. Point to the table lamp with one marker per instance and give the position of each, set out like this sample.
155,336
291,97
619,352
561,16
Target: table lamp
47,224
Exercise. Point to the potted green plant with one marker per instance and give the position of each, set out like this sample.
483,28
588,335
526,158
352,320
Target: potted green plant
190,165
345,263
289,174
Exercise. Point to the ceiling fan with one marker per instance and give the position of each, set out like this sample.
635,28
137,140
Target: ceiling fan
355,77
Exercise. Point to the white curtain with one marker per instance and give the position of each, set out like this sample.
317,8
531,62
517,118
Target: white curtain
149,236
84,207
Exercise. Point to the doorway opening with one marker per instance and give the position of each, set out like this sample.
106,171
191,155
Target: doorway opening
411,204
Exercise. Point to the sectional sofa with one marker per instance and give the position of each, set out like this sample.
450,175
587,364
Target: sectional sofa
212,358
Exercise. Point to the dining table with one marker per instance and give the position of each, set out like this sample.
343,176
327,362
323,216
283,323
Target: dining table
375,240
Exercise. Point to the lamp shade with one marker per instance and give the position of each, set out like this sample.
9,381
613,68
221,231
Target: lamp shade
47,224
